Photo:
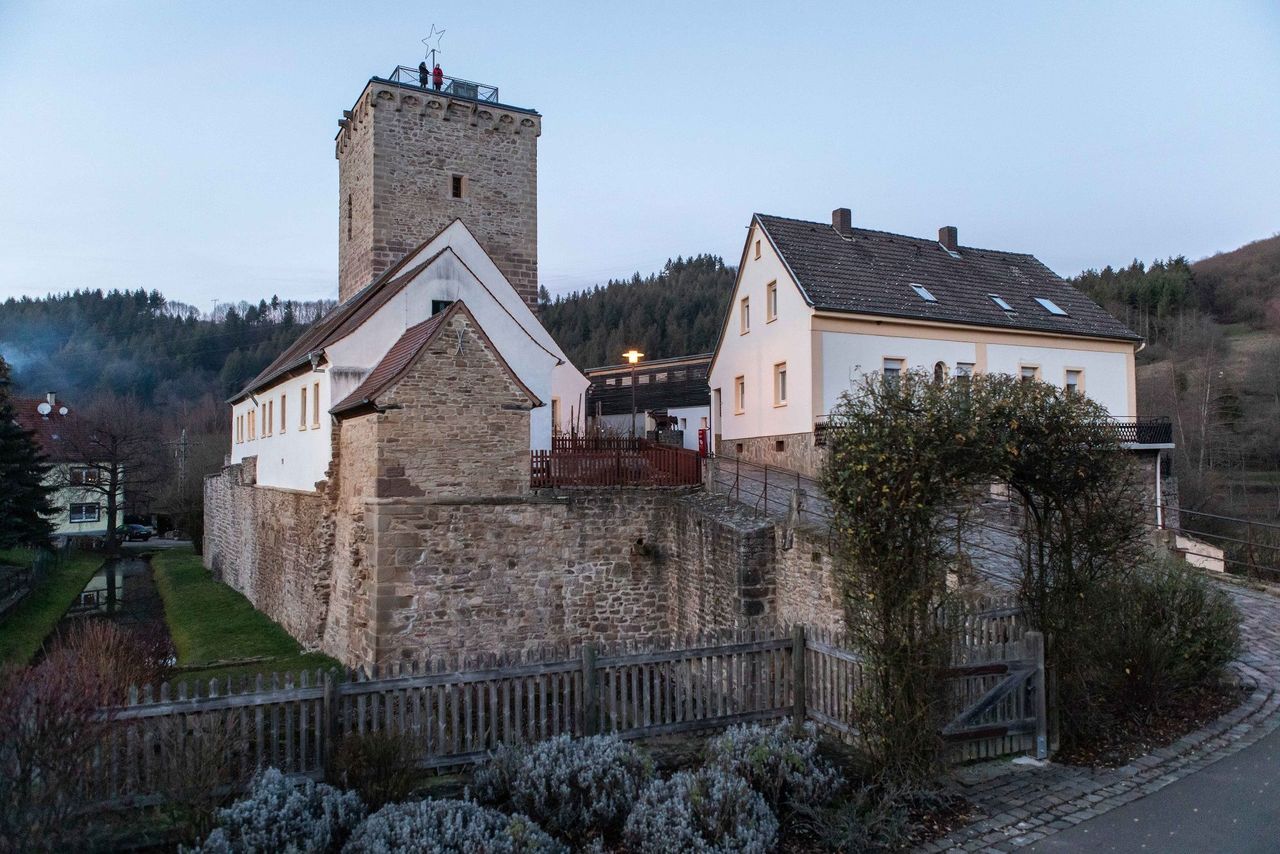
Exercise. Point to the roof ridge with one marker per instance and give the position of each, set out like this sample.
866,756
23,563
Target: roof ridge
925,240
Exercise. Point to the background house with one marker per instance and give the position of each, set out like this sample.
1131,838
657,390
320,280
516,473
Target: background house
668,393
817,305
78,499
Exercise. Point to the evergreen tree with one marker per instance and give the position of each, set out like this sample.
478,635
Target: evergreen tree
24,495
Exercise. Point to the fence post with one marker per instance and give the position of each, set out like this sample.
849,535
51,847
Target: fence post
798,681
1035,649
330,721
590,691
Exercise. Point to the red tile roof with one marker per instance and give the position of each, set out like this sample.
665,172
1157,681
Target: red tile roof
405,351
51,431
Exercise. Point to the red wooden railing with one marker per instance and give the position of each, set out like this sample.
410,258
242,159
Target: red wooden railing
600,461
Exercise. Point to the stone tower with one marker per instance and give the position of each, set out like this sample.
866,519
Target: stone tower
412,160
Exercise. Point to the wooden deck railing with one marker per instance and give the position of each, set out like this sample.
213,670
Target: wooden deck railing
611,462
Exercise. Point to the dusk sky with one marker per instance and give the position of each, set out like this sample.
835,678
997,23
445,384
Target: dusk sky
188,146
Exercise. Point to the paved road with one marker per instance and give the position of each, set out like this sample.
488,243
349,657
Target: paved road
1232,805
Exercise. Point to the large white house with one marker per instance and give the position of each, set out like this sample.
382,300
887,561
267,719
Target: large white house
817,305
283,416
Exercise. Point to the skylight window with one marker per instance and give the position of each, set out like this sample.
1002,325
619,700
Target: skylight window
1051,306
999,300
923,293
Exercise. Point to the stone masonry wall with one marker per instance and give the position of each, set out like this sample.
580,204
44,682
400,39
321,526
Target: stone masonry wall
273,545
401,578
456,424
401,148
806,581
798,452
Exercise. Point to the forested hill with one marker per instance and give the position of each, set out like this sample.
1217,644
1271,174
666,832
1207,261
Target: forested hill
1211,364
85,343
675,312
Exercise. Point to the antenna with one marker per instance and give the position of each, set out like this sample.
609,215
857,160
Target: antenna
432,52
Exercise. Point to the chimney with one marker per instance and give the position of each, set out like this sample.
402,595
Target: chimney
842,222
949,237
51,398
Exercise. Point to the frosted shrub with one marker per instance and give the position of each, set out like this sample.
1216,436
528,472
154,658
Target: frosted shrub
576,788
280,815
708,811
449,827
785,769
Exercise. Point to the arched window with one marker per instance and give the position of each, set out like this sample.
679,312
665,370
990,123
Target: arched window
939,372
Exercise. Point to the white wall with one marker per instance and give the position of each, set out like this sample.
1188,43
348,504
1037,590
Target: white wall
296,459
753,355
693,416
846,357
298,456
1106,375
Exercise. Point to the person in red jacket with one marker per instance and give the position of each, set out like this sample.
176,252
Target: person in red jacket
437,77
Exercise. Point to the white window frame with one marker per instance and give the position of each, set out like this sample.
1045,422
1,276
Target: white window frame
1066,376
771,302
892,367
739,394
780,384
744,315
1024,367
83,517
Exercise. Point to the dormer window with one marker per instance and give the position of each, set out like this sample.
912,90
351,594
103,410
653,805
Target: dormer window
999,300
923,293
1051,306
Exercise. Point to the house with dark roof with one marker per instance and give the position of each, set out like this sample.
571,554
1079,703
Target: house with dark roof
665,396
818,305
286,417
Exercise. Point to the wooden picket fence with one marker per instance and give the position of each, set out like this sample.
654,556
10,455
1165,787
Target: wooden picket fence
457,711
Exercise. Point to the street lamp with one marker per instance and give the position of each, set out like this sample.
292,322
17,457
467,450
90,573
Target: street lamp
633,355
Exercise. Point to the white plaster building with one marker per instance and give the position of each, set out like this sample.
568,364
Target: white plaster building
818,305
282,416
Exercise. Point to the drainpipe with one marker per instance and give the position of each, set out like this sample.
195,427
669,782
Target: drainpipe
1159,495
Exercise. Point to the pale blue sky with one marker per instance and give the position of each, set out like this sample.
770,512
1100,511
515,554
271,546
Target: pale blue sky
189,146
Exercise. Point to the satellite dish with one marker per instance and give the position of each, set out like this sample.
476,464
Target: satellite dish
44,409
62,410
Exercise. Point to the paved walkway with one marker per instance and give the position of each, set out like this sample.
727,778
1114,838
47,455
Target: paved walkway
1151,803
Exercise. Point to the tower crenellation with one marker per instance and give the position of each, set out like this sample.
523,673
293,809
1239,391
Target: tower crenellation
412,159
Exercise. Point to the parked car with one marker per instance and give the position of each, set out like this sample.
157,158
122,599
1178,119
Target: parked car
134,532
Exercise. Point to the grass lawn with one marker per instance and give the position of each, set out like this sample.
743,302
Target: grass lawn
211,623
24,628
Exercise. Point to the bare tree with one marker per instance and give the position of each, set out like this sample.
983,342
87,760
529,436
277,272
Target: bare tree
114,448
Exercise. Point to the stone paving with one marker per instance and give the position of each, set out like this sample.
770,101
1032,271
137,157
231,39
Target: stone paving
1022,804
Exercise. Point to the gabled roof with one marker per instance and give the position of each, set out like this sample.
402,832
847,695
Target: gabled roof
341,322
872,273
52,432
405,352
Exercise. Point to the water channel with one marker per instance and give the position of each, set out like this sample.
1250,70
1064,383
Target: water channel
124,592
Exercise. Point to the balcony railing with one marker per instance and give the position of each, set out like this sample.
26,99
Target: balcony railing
1138,430
453,86
1144,430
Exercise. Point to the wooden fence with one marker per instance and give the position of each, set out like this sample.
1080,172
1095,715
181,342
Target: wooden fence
607,462
456,712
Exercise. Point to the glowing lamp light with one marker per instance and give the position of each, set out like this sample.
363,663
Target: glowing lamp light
633,356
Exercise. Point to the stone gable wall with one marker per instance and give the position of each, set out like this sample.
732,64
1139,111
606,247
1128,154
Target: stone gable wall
456,424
